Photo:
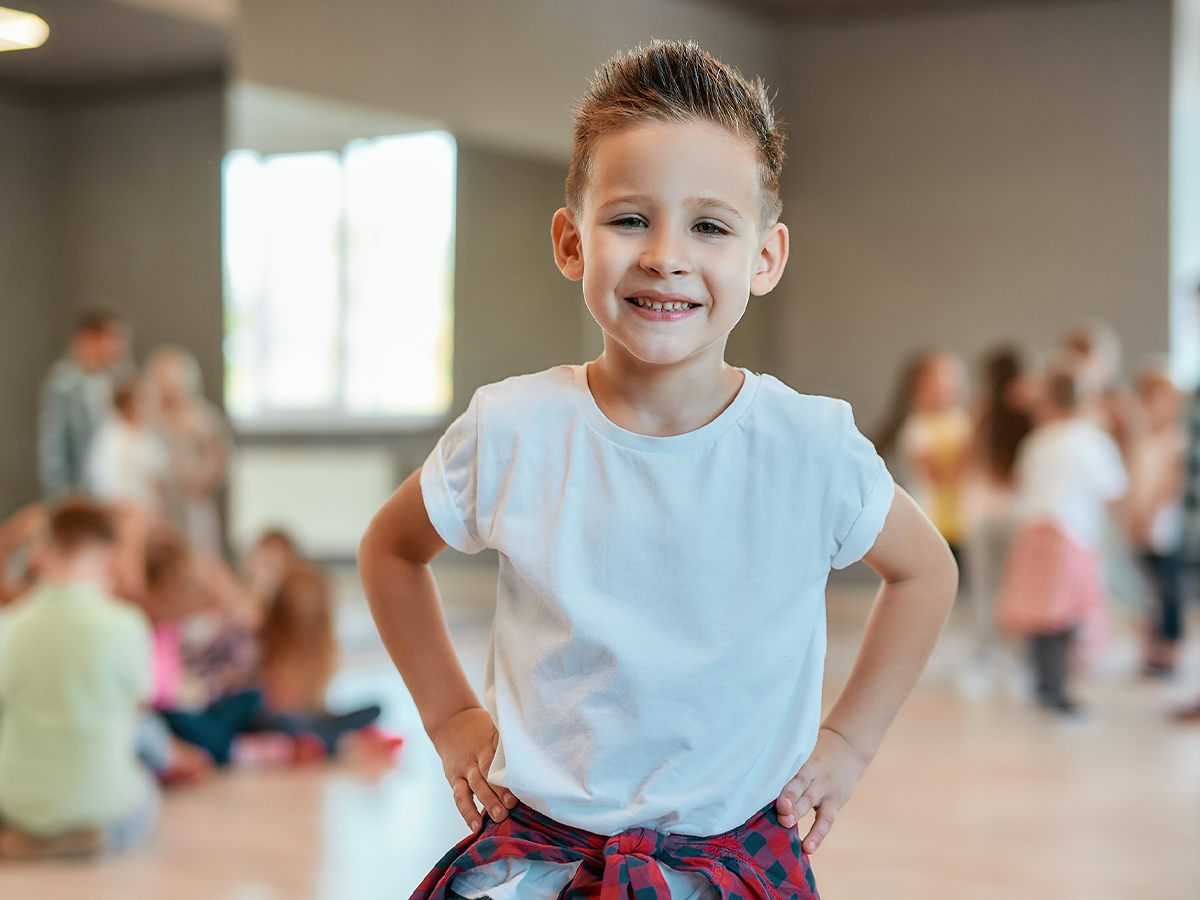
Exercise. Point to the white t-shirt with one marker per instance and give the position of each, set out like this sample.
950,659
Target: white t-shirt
127,464
657,652
1067,471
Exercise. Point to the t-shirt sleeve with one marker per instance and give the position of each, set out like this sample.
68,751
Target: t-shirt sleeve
450,483
860,495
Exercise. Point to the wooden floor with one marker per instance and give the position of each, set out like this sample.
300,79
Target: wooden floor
974,796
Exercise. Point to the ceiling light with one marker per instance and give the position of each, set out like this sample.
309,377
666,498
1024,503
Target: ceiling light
21,30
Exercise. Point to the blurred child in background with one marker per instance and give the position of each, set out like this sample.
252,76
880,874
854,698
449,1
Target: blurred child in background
934,441
1092,351
1068,471
128,462
887,438
298,656
1002,423
75,675
265,565
1155,510
22,537
197,439
246,683
207,706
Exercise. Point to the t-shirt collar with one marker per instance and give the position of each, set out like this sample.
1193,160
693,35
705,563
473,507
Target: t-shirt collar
676,443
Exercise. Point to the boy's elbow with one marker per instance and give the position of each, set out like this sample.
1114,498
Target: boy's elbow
941,573
368,547
365,554
948,571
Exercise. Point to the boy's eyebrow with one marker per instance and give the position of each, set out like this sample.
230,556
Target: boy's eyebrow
711,203
715,204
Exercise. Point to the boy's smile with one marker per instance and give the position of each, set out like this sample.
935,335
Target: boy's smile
669,244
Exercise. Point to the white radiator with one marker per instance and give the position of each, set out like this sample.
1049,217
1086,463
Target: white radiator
323,496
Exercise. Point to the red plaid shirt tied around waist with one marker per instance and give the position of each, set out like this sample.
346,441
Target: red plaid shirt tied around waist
760,860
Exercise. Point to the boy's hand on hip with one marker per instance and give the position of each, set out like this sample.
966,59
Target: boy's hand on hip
824,783
467,742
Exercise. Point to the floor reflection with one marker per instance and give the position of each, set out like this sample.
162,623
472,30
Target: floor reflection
974,794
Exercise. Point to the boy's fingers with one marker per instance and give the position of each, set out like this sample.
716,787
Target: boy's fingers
487,797
509,799
788,806
826,813
463,799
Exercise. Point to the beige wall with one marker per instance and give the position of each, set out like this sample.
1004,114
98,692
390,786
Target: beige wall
959,178
106,199
141,214
955,177
32,328
500,74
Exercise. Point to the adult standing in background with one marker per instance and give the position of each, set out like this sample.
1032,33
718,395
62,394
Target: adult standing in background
197,440
76,398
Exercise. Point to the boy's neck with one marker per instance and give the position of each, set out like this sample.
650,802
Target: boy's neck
90,569
662,400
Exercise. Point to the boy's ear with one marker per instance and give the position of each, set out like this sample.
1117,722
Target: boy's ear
568,247
771,260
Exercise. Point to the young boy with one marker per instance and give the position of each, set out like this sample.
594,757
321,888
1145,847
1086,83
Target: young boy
666,524
74,675
1068,470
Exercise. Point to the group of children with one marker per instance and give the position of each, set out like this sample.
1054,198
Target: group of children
129,660
1051,471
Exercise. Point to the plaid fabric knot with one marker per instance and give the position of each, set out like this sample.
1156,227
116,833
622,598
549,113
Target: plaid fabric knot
631,871
760,860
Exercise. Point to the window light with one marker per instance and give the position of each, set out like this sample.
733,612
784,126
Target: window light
21,30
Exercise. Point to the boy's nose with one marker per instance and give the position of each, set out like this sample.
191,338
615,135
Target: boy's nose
666,255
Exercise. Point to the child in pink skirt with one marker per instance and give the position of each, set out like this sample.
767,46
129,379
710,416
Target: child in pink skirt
1068,470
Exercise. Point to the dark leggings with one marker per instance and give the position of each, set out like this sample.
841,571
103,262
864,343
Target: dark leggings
1051,657
215,727
326,726
1165,574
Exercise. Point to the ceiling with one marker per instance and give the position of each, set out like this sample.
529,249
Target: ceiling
800,8
96,44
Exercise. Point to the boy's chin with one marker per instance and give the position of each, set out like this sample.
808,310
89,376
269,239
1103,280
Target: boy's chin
667,356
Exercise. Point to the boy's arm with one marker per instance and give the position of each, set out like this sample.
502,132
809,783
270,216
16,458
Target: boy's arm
919,583
393,562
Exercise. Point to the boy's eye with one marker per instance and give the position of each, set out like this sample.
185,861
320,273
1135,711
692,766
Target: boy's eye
629,222
707,227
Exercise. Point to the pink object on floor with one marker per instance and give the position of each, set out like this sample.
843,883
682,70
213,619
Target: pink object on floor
387,743
267,748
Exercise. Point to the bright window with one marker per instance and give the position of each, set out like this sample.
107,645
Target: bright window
339,272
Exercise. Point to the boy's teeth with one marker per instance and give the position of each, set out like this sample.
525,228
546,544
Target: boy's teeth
658,306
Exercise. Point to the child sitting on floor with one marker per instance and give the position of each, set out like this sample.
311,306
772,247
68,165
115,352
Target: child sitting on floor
249,693
74,676
298,655
666,524
1068,470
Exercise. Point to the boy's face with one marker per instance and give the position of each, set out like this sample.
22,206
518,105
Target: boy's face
668,243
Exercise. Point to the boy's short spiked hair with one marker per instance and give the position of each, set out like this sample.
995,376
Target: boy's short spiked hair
677,81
